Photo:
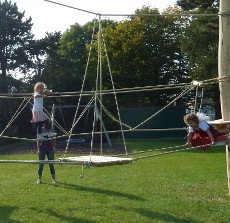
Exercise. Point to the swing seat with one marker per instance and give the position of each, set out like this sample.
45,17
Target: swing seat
75,141
98,161
220,125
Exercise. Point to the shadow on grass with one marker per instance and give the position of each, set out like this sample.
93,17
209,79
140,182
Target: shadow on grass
164,217
5,212
214,149
152,215
100,191
66,218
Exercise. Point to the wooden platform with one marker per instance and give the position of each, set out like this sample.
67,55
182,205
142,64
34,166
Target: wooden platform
220,125
98,161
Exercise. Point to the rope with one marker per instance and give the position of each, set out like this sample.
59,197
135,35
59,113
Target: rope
19,138
82,87
104,92
80,116
99,71
175,151
89,163
56,123
74,124
119,90
16,114
179,96
202,97
194,111
115,96
63,120
152,150
70,7
54,120
103,132
112,117
132,130
164,15
136,15
217,78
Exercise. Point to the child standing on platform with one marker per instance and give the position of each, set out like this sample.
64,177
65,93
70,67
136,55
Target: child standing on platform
38,116
201,133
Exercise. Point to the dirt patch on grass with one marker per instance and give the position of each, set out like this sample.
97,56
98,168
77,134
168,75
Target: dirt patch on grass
73,148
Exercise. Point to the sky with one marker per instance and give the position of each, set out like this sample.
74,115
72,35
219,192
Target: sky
49,17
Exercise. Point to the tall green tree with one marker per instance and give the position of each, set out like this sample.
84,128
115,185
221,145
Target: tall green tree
143,51
199,46
65,68
15,36
40,50
192,4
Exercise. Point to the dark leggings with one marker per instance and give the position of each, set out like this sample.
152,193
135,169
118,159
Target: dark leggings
40,124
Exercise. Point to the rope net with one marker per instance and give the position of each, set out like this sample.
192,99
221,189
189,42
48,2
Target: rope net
96,99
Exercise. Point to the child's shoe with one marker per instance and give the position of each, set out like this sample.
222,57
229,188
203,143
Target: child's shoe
40,137
54,181
39,181
52,134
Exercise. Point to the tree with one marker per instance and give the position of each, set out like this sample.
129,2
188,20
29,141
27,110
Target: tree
15,35
66,67
192,4
39,50
143,51
199,46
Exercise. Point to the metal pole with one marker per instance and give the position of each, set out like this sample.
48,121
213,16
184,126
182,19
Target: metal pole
100,72
53,116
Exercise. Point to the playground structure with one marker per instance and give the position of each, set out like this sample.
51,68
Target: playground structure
98,116
97,95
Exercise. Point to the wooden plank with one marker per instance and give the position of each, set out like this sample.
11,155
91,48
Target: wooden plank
98,161
220,125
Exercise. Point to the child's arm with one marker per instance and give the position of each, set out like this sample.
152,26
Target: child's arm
54,146
211,136
189,138
38,147
40,95
48,92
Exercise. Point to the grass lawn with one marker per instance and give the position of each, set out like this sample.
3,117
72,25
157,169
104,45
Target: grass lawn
185,187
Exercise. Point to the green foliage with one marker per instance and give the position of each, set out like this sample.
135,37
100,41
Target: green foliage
64,70
192,4
185,187
40,50
140,51
199,46
15,35
143,51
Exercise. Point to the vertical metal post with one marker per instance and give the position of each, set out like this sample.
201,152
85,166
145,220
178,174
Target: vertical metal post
100,78
52,116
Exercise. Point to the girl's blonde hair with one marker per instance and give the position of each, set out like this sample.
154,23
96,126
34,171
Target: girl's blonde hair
37,85
191,117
